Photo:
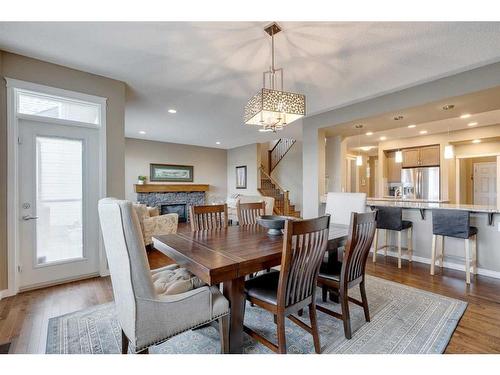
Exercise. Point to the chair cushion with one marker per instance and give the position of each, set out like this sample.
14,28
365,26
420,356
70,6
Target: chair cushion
264,287
332,272
174,280
407,224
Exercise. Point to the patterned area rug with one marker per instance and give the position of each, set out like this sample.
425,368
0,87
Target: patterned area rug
403,320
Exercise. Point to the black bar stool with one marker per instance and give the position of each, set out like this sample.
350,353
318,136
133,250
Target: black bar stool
456,224
391,218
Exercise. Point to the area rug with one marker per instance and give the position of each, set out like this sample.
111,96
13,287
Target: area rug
403,320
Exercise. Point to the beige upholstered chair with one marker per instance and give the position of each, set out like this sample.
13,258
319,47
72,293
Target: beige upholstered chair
154,224
340,206
146,316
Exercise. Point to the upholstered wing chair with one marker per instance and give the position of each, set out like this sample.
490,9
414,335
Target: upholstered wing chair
147,316
154,224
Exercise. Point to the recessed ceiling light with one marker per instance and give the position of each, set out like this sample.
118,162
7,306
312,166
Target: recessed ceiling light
476,141
465,115
383,138
412,126
142,132
369,133
366,148
474,123
423,131
217,143
172,110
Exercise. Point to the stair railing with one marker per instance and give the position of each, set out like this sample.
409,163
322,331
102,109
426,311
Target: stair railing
286,200
279,151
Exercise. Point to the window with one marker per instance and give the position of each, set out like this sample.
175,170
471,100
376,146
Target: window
36,104
59,181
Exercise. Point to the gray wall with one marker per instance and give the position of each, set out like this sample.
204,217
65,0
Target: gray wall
27,69
209,163
245,155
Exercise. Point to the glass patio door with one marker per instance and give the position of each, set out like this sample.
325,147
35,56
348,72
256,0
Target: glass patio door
58,169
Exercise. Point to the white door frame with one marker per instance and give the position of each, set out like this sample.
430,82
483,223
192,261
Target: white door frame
13,86
458,159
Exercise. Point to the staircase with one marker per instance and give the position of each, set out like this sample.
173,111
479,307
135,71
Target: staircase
279,151
270,188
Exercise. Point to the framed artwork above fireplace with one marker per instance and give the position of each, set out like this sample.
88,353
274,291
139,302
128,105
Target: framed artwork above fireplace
170,173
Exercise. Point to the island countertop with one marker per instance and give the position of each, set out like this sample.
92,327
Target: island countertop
426,205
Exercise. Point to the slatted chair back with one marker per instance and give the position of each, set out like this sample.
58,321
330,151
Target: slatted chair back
208,217
249,212
361,233
304,247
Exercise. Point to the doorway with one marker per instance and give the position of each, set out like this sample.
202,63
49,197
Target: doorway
57,174
485,184
58,195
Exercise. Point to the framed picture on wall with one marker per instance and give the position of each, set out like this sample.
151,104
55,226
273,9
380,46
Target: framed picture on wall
170,173
241,177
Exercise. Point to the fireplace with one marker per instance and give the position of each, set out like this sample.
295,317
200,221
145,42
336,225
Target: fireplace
172,198
176,208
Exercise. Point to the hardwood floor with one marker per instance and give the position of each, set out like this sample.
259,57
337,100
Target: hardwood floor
24,318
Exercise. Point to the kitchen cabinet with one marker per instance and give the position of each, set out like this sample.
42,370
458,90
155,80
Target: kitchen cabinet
411,157
428,156
393,168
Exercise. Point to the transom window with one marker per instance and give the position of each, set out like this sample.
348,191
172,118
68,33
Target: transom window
37,104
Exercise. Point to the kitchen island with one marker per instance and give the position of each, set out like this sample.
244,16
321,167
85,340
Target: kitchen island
482,217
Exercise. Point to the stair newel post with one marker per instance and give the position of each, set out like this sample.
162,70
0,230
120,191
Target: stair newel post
269,160
286,203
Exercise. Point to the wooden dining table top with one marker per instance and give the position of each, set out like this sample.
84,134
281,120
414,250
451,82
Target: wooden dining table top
219,255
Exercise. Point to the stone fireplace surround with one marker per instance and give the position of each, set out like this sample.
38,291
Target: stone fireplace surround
156,199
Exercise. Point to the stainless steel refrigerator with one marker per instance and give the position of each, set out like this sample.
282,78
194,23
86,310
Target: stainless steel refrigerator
421,183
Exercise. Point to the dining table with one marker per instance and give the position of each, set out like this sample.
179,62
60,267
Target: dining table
228,255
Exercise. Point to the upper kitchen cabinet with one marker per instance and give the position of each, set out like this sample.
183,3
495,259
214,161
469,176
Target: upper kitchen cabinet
393,168
411,158
427,156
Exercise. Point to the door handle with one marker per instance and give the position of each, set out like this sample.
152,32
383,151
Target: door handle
29,217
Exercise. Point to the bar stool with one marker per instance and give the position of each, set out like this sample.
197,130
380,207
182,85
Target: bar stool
391,219
456,224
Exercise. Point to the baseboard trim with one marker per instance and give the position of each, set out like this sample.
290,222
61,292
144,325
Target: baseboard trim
6,293
59,281
446,264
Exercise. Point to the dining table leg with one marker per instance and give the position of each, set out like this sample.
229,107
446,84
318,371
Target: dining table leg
234,291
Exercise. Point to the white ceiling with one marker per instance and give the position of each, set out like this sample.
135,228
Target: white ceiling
207,71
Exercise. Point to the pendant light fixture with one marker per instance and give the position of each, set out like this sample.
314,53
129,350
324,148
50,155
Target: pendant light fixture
272,108
359,158
399,156
399,153
449,150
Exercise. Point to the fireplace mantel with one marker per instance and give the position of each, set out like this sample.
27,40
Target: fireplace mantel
170,188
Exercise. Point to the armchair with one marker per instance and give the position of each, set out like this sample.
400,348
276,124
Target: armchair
152,223
146,315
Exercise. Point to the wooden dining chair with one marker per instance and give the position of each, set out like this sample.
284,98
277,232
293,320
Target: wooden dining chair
249,212
208,217
351,271
293,288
